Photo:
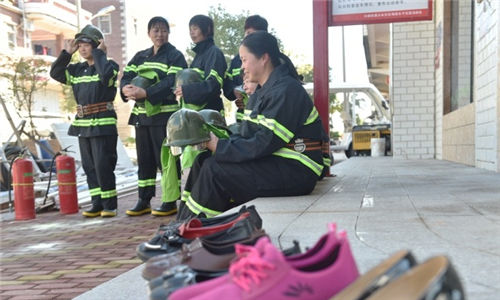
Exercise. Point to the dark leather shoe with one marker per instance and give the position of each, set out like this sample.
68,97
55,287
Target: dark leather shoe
169,238
166,209
141,207
433,279
377,277
94,211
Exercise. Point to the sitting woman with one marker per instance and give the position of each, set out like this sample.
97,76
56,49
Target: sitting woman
278,149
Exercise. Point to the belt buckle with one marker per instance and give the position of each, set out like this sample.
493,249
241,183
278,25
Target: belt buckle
110,106
299,146
79,111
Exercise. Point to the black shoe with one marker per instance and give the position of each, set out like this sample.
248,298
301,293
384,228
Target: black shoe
141,207
94,211
166,209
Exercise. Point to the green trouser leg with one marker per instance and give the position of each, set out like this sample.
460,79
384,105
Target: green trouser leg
170,183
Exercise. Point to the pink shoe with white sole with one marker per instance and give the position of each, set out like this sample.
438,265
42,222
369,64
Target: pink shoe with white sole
262,272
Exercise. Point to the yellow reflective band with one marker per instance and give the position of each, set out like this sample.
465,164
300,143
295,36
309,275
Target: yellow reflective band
95,192
108,194
327,162
312,116
304,159
163,109
200,71
83,79
271,124
236,72
148,65
94,122
146,182
68,77
185,195
112,79
228,75
217,76
239,116
169,108
193,106
173,70
197,209
130,68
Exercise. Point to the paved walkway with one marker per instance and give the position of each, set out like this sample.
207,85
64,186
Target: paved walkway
430,207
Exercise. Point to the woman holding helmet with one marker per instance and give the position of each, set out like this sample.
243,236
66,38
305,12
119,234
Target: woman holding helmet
148,80
209,62
278,149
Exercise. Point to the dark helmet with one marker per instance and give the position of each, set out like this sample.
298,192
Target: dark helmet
142,82
213,118
186,127
187,76
90,34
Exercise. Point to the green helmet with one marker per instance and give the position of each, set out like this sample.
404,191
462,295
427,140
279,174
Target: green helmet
186,127
142,82
187,76
213,118
90,34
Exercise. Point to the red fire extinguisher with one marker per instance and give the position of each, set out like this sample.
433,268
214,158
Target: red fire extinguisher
66,180
24,196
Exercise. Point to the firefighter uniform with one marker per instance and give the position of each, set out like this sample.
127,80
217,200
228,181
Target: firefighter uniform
233,78
151,115
211,64
94,88
276,153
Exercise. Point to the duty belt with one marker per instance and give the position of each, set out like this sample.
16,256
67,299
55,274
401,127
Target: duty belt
304,144
85,110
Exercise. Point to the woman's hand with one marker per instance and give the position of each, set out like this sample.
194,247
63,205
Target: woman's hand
212,143
133,92
102,46
178,93
71,46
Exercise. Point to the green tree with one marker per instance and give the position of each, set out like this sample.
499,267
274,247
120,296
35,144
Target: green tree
306,71
26,75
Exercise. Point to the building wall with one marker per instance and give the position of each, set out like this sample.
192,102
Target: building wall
458,135
413,90
486,84
438,66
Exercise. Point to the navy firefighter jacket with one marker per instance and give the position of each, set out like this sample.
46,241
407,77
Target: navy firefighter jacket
279,119
91,84
161,68
233,78
211,64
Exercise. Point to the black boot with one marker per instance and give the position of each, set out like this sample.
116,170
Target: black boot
95,210
166,209
140,208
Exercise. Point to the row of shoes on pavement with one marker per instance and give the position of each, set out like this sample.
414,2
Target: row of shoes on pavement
231,257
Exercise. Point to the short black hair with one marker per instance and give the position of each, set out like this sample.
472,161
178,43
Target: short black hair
256,22
205,23
158,20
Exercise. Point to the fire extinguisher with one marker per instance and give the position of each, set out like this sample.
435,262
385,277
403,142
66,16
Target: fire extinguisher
24,195
66,180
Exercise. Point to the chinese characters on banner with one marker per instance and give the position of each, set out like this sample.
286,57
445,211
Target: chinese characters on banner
350,12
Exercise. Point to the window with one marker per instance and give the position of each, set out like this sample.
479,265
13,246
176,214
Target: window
11,36
104,23
458,61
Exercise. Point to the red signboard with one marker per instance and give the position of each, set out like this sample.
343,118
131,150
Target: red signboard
351,12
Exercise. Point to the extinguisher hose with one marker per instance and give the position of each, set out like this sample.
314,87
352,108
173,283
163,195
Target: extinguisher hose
9,182
50,177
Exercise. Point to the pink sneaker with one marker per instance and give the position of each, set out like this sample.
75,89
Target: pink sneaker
262,272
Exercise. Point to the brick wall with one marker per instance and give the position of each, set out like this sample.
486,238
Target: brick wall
413,90
486,84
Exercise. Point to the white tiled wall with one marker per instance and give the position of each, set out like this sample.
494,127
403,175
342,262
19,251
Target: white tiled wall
413,90
486,84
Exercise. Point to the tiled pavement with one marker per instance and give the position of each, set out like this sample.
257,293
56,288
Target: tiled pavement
59,256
